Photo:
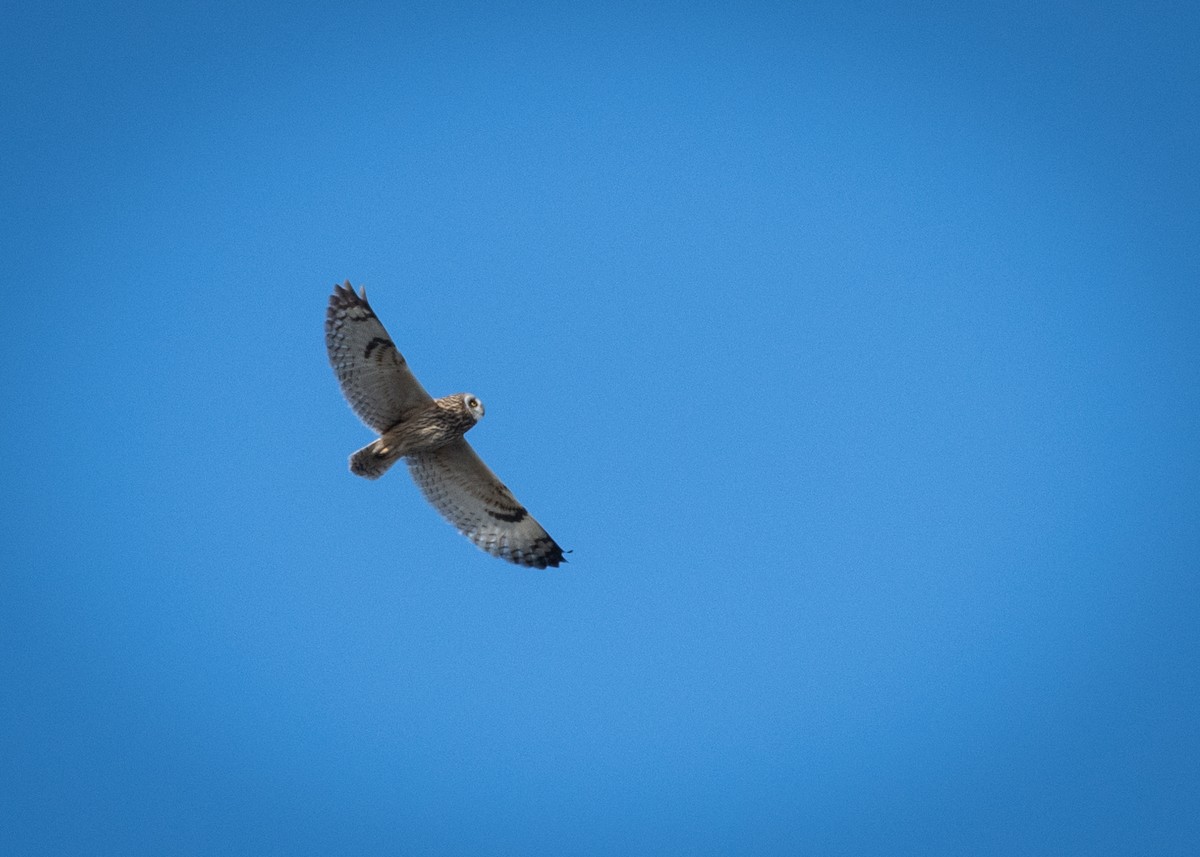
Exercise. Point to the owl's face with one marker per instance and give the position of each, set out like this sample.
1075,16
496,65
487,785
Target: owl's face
473,405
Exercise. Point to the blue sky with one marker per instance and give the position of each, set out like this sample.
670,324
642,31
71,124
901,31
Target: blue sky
851,347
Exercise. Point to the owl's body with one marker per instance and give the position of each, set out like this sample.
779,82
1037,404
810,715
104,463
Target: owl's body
428,432
424,430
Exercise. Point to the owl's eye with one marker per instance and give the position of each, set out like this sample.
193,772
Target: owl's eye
474,403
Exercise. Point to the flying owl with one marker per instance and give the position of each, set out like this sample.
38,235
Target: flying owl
428,433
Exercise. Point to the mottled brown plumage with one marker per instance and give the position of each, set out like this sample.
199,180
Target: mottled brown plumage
428,432
423,430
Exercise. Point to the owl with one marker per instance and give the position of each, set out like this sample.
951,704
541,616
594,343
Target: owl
428,434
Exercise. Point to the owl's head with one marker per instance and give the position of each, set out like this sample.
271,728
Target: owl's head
473,405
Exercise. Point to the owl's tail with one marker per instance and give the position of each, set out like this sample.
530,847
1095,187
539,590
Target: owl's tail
373,460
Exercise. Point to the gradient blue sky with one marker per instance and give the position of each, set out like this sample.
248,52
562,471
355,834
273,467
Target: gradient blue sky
853,348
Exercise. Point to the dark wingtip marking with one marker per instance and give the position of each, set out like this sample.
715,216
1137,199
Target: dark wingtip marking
554,555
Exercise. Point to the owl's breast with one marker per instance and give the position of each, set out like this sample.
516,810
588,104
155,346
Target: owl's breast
428,429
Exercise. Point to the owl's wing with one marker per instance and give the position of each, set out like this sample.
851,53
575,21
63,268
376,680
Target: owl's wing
374,376
468,494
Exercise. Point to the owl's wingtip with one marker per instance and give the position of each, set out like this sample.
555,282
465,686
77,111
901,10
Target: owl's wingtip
344,295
